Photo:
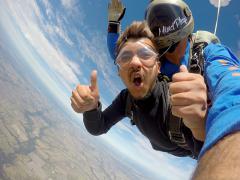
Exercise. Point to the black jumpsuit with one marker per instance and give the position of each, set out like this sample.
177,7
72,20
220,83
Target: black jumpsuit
150,116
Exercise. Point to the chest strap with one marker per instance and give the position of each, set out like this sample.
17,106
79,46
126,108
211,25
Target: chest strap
128,109
175,132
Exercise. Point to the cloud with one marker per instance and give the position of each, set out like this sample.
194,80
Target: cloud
68,4
156,162
42,31
27,19
223,2
57,30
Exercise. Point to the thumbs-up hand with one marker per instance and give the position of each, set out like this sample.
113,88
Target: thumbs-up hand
188,97
85,98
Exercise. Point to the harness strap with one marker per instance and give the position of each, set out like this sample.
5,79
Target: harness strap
175,124
196,58
128,109
175,131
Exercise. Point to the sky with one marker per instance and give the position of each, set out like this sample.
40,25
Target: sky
64,40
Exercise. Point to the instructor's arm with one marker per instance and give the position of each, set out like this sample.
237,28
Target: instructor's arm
222,161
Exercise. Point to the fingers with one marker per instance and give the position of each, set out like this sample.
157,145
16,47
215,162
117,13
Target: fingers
75,106
191,112
114,3
186,99
78,108
178,87
197,84
84,94
78,101
82,99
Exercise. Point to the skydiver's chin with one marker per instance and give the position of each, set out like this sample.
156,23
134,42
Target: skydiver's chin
138,94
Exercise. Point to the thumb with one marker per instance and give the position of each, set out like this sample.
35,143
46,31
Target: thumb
94,85
183,68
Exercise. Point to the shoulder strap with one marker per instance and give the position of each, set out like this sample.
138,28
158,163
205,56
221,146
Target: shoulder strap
200,40
175,131
128,109
173,123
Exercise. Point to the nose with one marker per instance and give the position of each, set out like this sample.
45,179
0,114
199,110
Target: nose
135,62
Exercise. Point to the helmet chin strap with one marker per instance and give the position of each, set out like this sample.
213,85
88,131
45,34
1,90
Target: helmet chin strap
165,51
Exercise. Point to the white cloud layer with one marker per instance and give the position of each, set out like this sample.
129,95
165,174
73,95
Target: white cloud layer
68,4
140,151
223,2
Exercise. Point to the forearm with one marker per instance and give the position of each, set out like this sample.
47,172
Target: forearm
112,37
98,122
222,74
93,121
222,161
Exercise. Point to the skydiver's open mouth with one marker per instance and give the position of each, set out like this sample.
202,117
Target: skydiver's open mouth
137,80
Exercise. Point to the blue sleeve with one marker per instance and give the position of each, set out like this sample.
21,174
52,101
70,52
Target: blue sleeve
222,72
111,42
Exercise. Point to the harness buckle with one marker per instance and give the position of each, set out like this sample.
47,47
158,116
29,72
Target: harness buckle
177,138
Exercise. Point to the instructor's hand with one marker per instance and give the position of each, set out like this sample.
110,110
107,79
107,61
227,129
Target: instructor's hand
85,98
189,100
116,10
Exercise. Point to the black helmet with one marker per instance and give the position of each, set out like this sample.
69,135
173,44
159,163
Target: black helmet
169,20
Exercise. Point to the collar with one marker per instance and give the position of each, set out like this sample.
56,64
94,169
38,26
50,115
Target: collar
168,68
150,100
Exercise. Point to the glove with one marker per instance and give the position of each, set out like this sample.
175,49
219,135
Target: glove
116,11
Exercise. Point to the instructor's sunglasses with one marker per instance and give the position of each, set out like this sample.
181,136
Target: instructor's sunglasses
169,49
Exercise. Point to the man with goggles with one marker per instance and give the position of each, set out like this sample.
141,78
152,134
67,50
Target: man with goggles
146,96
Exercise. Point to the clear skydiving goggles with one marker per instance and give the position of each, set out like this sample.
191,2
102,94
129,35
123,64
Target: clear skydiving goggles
145,53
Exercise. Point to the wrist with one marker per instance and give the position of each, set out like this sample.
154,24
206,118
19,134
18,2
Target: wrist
114,27
197,128
199,134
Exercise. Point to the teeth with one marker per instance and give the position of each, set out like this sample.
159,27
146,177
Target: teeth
136,77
